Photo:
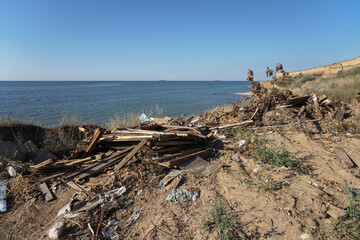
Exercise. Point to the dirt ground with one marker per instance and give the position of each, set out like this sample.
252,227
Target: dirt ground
259,213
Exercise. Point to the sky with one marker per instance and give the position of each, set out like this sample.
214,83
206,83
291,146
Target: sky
172,39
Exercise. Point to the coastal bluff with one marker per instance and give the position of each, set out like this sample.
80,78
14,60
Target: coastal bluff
328,70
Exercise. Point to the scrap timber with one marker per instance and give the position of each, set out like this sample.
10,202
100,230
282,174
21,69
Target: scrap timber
171,144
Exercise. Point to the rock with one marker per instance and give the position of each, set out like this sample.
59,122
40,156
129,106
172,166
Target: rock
235,158
12,151
305,236
11,171
56,231
43,156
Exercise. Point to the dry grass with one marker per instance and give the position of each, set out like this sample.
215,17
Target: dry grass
343,86
339,88
131,119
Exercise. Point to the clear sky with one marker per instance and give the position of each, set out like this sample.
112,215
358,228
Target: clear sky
172,39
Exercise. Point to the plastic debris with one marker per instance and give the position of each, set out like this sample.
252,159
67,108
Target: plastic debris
114,194
11,171
196,195
168,178
143,118
3,206
242,143
110,231
133,218
176,194
56,231
66,208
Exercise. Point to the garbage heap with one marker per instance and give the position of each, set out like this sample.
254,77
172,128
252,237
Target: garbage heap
267,107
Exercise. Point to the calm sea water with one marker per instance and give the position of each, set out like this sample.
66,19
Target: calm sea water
46,102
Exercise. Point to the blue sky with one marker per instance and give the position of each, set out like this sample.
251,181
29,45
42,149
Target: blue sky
171,39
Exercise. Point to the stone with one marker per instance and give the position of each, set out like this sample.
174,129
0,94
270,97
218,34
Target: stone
305,236
11,171
235,158
43,156
12,151
56,231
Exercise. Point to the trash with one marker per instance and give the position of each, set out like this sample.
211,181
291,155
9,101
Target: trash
176,194
3,206
305,236
143,118
66,208
56,231
113,195
184,217
11,171
133,218
200,166
168,178
139,192
344,157
110,231
243,143
46,192
196,195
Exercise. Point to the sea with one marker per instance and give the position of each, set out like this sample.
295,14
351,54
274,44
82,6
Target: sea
47,102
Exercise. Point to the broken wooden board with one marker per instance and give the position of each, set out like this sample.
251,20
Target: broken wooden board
336,212
46,192
95,139
233,125
113,156
314,190
199,166
131,154
176,161
340,152
168,178
297,101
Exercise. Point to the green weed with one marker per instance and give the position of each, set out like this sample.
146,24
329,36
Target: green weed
219,218
267,183
278,157
349,226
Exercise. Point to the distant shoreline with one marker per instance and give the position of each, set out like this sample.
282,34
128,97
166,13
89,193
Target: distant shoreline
244,93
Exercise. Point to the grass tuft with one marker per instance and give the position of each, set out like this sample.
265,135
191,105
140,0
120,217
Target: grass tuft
349,226
278,157
219,218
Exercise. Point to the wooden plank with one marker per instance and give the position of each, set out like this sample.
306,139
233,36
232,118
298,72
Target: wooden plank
98,168
175,143
233,125
314,190
46,191
167,149
131,154
105,160
93,142
177,154
340,152
181,159
296,101
51,177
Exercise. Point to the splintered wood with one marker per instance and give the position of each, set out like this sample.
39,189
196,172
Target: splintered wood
172,145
